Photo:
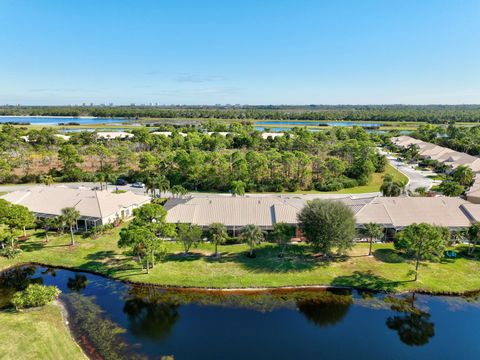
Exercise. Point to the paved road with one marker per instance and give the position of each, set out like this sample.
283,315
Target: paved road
417,178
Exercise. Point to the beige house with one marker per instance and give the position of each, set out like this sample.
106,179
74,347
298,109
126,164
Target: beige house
441,154
265,212
95,207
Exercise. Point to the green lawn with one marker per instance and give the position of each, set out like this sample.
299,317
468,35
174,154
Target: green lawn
386,270
372,186
37,334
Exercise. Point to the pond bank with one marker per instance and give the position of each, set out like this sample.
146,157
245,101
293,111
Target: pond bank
114,320
245,290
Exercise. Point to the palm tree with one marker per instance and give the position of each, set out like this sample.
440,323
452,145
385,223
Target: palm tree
47,224
282,233
473,236
179,190
372,231
218,235
390,187
252,235
150,185
48,180
162,184
70,216
463,175
238,188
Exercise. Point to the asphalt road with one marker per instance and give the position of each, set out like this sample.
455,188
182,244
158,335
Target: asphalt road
417,178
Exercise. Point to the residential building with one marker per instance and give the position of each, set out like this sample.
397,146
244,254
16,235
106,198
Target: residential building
95,207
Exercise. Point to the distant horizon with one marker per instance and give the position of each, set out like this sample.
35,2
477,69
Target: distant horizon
234,105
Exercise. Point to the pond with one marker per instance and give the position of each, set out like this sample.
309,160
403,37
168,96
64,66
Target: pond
113,320
319,123
53,120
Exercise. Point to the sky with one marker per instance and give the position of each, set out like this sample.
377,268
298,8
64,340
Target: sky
56,52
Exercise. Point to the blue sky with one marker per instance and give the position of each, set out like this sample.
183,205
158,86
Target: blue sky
245,51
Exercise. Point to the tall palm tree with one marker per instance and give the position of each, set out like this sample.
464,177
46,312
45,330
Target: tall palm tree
162,184
252,235
150,185
178,190
218,235
47,224
70,216
372,231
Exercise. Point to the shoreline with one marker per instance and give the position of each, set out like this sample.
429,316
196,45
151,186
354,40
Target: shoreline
247,290
47,116
65,316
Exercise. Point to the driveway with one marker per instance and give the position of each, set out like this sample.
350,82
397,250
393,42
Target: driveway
416,178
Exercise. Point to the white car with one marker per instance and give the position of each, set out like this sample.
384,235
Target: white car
139,185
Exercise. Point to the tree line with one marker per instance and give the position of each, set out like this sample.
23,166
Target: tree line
301,160
424,113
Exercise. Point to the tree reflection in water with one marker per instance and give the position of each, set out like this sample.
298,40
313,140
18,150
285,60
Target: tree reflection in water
153,320
16,279
327,308
77,283
414,328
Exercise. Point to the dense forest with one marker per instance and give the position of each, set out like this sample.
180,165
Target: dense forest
301,160
437,114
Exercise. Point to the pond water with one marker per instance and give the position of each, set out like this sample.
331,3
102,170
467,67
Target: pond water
339,324
318,123
46,120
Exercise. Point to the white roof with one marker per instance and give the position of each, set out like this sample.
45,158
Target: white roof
231,211
403,211
114,135
263,211
439,153
273,135
51,200
266,211
164,133
223,133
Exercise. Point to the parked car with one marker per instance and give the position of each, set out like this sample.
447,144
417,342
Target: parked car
121,182
138,185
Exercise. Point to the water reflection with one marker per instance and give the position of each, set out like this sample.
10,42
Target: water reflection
328,309
153,321
14,280
414,327
77,283
113,320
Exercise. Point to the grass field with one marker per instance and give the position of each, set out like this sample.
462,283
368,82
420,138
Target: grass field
44,328
372,186
386,270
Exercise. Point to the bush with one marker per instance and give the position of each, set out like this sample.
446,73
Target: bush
348,183
10,252
34,296
333,185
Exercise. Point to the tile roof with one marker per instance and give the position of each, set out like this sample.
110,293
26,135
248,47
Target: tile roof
52,199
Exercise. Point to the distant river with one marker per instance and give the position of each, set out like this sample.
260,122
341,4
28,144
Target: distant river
341,324
46,120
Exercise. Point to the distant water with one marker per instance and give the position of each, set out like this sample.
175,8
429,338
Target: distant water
317,123
40,120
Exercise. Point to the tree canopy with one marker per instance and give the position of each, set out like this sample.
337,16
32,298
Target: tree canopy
328,224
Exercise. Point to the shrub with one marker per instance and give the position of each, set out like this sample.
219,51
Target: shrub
348,183
10,252
35,295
